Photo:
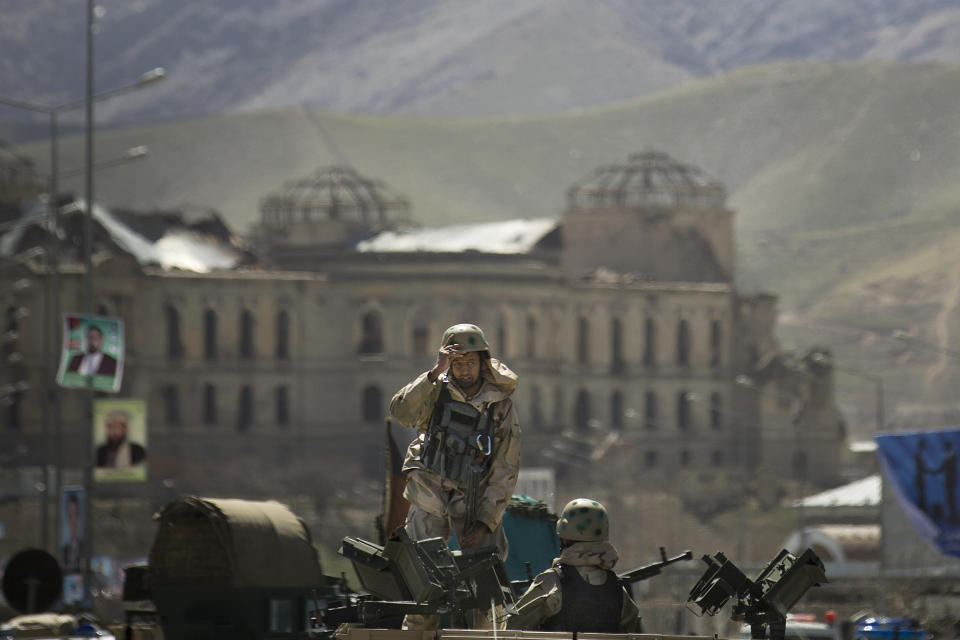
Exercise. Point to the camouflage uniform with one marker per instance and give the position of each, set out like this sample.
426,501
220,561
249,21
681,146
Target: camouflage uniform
544,598
437,507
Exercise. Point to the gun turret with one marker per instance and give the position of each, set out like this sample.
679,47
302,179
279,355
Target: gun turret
762,603
423,577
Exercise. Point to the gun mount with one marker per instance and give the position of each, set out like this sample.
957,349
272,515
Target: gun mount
422,577
762,603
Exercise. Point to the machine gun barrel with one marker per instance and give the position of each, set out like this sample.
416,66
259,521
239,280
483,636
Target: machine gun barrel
648,571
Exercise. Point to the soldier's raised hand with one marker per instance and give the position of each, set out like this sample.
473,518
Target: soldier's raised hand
445,356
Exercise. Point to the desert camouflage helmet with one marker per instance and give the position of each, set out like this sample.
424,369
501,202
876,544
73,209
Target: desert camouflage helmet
584,520
468,336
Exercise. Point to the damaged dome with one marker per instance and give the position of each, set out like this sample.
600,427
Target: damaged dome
647,179
334,193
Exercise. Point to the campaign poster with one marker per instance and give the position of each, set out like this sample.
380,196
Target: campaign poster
73,507
922,468
119,440
92,354
72,588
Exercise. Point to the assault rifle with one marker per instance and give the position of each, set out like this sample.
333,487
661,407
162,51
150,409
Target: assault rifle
653,569
626,579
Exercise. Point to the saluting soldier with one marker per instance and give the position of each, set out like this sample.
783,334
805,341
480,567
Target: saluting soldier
462,467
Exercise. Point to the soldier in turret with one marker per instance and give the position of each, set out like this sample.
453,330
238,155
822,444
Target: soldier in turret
580,591
462,467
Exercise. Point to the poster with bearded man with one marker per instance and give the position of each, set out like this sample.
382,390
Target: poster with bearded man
120,440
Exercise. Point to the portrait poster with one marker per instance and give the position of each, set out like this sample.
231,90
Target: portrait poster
119,440
92,354
73,509
72,588
922,468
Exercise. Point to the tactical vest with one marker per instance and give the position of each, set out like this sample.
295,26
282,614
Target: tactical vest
587,607
459,437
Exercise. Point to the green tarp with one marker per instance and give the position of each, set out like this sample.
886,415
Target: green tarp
234,543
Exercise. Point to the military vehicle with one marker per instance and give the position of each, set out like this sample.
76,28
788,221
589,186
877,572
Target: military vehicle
238,569
232,569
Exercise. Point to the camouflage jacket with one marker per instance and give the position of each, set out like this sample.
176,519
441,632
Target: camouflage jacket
413,406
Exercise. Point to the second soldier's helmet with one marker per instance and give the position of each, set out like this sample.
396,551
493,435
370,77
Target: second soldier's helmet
584,520
468,336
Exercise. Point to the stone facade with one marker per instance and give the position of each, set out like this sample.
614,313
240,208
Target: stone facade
262,380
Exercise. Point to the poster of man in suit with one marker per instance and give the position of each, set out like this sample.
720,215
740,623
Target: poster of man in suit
120,440
92,356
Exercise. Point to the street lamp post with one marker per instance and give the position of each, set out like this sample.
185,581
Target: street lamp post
51,401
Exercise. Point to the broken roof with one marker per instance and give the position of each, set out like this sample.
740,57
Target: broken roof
861,493
506,237
164,239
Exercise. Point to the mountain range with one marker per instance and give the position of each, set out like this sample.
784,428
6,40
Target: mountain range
438,57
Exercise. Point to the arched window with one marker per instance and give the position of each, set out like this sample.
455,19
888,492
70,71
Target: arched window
650,411
245,409
716,347
283,335
12,327
282,405
799,465
616,410
209,404
649,343
372,404
246,334
174,343
210,334
581,410
716,411
685,458
650,458
683,410
171,405
421,340
683,343
583,340
531,337
501,345
536,407
616,346
371,333
12,319
12,405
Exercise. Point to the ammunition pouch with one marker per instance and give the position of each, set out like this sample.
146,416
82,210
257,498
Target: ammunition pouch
458,439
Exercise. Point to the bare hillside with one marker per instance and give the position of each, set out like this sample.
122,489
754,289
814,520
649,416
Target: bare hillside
439,57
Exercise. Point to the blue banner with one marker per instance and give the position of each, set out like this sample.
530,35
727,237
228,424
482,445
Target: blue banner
922,468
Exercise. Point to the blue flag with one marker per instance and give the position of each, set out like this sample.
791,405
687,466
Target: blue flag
922,468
